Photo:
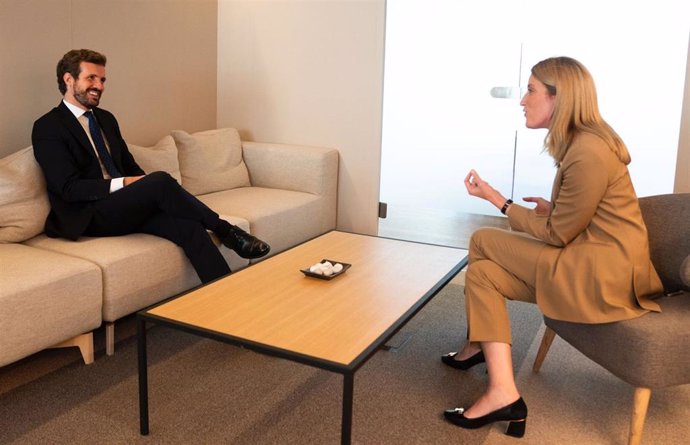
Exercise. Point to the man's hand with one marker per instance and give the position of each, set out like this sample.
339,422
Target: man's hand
131,179
543,207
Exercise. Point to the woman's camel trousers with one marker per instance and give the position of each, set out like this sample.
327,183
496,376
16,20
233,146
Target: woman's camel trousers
502,265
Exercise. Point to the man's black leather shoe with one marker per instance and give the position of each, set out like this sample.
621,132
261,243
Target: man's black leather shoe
246,245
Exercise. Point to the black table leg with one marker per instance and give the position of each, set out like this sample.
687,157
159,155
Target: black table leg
143,377
348,388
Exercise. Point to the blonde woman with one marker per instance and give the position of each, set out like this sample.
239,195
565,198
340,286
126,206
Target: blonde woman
583,256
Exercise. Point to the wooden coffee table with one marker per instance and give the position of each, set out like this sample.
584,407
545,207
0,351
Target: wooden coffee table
337,325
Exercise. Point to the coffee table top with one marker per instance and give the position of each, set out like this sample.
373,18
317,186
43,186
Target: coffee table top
274,306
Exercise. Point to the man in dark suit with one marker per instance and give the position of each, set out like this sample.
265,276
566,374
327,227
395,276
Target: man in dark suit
96,188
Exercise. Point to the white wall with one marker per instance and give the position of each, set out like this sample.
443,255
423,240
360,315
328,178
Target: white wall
311,73
161,63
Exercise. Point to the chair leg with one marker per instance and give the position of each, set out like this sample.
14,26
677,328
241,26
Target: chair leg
546,341
640,404
109,338
85,344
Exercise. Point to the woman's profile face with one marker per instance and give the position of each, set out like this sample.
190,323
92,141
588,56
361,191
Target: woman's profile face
537,104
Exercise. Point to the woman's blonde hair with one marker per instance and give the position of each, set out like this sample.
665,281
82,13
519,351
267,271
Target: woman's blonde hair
576,109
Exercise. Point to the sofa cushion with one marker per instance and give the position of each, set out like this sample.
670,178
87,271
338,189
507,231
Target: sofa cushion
282,218
160,157
23,197
138,269
45,298
211,161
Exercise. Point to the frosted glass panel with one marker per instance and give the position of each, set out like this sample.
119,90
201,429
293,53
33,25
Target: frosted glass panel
444,57
439,120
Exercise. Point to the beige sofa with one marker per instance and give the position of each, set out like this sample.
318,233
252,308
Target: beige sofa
55,292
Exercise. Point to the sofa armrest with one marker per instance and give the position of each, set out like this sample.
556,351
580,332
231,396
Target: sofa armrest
292,167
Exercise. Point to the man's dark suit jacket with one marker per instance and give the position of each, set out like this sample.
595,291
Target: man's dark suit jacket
71,169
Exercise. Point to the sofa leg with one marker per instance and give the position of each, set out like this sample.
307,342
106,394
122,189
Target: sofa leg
546,341
640,404
85,344
109,338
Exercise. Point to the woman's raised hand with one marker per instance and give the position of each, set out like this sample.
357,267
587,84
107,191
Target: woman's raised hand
476,186
472,184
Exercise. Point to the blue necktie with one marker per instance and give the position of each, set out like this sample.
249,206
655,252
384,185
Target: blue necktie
98,141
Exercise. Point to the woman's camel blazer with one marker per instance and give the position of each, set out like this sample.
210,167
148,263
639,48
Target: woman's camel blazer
595,267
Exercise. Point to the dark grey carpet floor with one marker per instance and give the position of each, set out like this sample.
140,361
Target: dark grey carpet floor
203,391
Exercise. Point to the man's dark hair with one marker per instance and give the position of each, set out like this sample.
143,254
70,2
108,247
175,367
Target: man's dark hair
70,63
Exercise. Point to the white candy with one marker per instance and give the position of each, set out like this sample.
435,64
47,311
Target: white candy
326,268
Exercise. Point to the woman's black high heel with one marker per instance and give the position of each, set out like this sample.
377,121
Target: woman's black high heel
515,413
449,359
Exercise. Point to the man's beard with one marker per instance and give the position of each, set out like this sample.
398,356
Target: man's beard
85,99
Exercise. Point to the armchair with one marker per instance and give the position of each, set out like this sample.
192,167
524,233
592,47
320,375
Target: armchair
652,351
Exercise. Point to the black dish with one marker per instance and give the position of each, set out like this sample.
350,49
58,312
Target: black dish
308,273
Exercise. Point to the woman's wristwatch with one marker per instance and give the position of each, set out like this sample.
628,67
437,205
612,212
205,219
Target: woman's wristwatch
505,206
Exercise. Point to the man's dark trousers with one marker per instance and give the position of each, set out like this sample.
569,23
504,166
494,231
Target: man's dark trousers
158,205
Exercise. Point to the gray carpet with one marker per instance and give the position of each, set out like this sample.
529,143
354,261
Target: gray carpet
203,391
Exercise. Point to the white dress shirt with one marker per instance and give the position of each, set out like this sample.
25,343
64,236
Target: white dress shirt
115,183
